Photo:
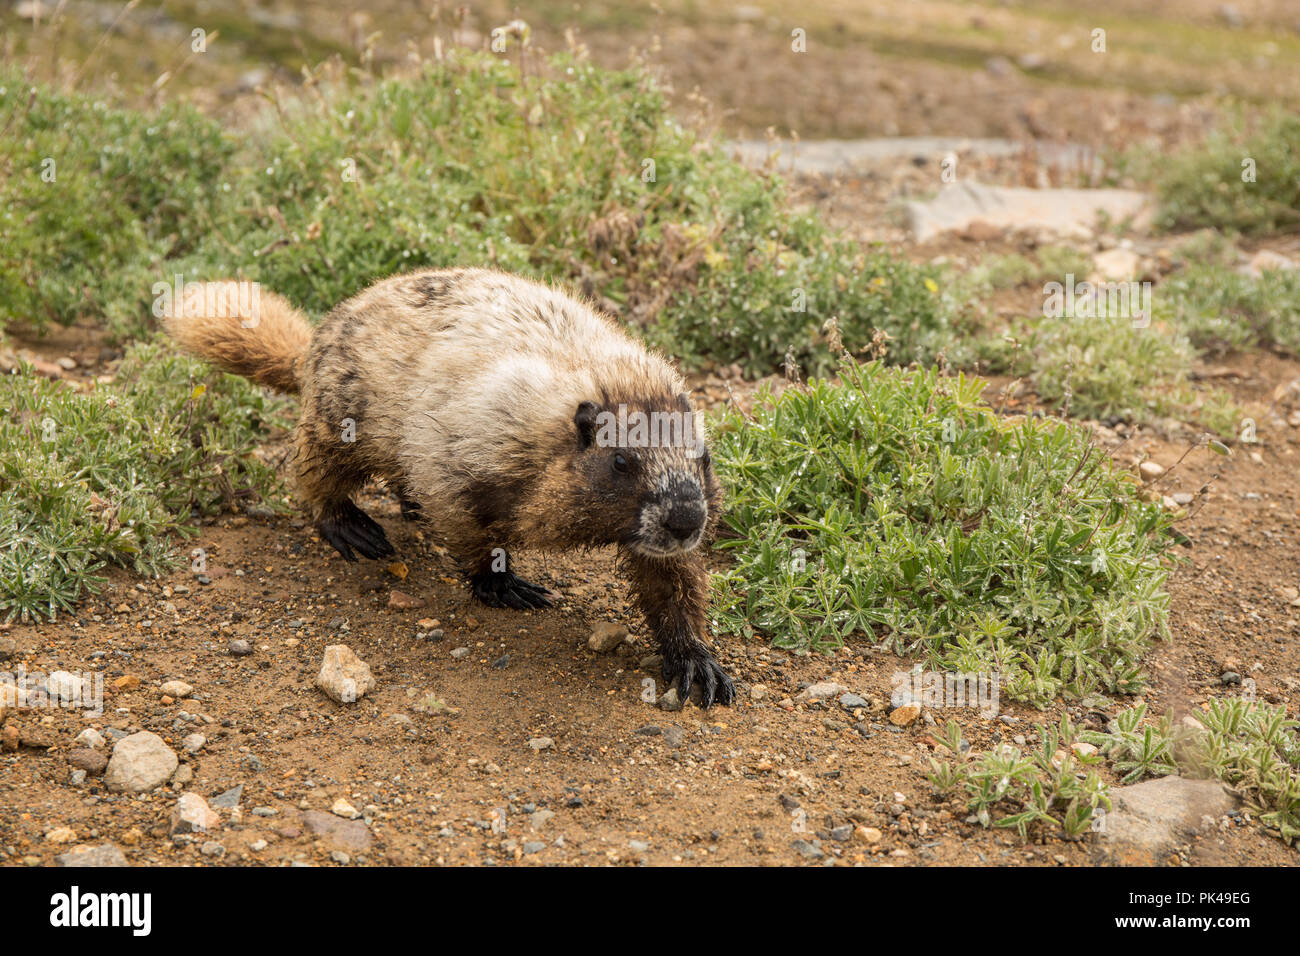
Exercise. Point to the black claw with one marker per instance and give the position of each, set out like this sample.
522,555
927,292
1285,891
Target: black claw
685,667
506,589
348,528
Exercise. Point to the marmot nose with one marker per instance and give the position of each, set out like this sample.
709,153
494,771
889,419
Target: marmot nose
684,518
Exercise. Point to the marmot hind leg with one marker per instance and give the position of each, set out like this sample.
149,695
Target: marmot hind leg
487,568
326,486
507,589
348,528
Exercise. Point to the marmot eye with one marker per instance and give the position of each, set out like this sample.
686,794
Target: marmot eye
620,463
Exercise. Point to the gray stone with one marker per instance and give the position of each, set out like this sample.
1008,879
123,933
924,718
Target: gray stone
540,818
1066,212
1153,816
140,763
103,855
808,851
228,800
350,835
669,700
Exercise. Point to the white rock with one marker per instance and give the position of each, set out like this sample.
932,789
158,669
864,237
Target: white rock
92,856
344,677
344,809
64,687
61,835
1116,265
1150,470
541,743
140,763
194,743
1153,816
193,815
90,737
177,689
821,691
1062,211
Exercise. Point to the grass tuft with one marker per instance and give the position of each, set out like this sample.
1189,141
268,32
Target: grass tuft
114,475
896,507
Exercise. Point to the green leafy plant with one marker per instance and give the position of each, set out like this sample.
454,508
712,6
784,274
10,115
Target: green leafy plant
555,168
93,199
112,475
1048,787
1219,309
895,506
1247,181
1250,746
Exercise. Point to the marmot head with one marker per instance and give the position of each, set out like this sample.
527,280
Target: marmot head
648,468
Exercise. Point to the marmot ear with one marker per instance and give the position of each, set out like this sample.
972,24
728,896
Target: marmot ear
585,419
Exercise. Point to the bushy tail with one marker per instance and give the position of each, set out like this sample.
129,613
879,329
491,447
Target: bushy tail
242,329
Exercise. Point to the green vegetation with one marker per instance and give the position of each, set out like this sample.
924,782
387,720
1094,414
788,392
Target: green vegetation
897,507
548,167
1050,786
1048,264
562,171
1106,368
1246,182
93,199
1252,747
1219,308
112,475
